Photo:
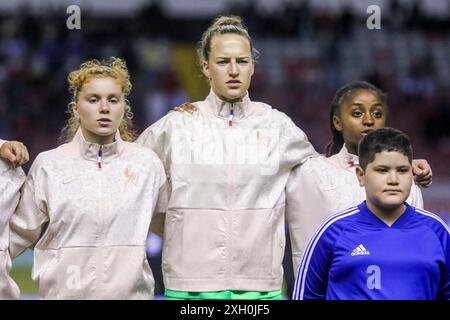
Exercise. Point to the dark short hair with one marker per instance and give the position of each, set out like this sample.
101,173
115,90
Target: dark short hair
385,139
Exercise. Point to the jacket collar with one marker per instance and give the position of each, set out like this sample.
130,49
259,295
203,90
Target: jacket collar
346,159
370,217
221,108
89,151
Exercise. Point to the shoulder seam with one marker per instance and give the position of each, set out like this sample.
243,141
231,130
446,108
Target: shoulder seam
433,216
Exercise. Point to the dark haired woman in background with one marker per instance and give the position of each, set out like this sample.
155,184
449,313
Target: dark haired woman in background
325,185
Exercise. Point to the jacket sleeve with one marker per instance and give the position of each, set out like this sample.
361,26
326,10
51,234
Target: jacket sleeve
149,139
159,213
444,293
155,136
301,221
306,205
11,181
415,197
312,274
30,218
295,147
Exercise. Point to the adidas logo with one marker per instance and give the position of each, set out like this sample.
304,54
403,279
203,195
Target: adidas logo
360,251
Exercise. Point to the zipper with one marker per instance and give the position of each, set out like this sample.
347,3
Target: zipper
103,213
100,157
231,196
231,116
103,194
101,205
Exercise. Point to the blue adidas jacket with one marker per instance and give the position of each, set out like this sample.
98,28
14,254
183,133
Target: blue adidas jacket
354,255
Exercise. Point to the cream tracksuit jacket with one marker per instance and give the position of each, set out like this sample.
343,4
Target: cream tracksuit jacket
11,181
320,187
224,228
89,225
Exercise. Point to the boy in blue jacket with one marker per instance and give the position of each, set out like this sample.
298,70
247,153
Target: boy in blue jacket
383,248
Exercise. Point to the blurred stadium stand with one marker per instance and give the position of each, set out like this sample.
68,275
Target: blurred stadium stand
308,50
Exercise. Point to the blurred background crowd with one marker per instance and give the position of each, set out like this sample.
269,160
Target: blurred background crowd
308,50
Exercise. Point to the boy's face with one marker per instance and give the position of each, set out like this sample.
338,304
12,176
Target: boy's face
387,180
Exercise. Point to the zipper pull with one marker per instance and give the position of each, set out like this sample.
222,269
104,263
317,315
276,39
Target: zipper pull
100,157
230,117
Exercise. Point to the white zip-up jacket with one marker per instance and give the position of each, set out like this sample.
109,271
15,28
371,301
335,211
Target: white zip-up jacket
89,225
224,228
11,181
320,187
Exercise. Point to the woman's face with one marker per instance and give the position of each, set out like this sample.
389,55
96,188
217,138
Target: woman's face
100,107
230,66
359,114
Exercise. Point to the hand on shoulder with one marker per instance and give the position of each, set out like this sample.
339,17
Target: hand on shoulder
14,152
186,107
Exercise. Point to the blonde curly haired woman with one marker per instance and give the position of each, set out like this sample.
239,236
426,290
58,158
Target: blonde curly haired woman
87,205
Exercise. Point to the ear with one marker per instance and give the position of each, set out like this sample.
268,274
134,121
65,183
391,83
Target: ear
337,123
360,175
74,107
205,68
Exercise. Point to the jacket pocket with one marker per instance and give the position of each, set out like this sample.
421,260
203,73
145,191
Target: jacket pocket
195,243
258,243
44,265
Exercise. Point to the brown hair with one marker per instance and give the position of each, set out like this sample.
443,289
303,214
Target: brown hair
223,25
113,67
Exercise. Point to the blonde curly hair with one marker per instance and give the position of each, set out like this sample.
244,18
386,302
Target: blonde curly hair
113,67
